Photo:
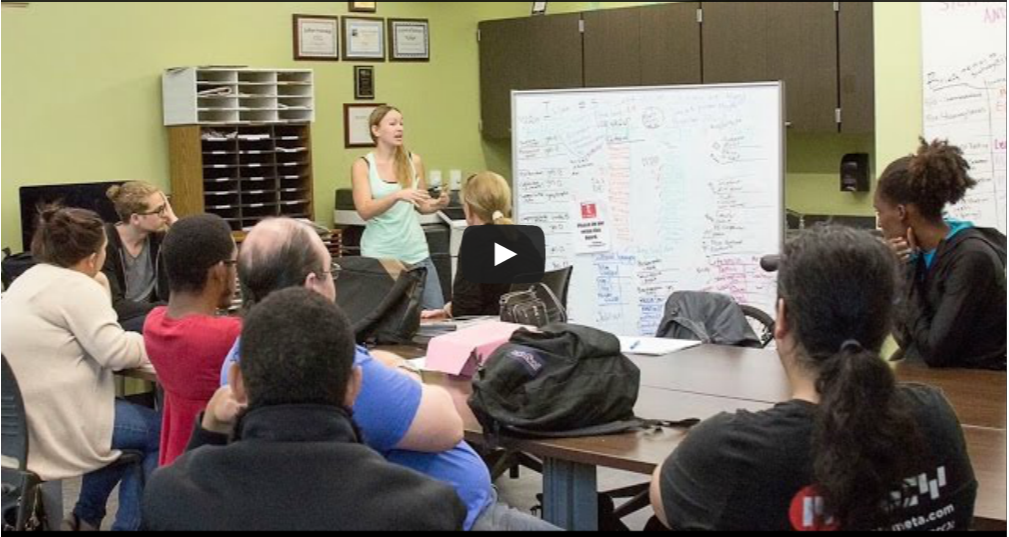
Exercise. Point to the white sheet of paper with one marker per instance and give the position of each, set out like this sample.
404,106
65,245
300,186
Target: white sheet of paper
592,228
644,346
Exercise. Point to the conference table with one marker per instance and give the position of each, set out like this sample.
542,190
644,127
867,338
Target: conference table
707,380
703,382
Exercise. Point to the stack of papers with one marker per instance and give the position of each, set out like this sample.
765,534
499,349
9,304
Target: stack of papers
644,346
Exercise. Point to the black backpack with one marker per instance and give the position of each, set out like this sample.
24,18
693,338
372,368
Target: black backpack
382,298
566,381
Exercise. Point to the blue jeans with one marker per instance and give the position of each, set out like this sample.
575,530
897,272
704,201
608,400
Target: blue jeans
434,295
136,429
499,518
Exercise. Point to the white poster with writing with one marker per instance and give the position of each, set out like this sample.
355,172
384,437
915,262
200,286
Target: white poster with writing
592,228
964,46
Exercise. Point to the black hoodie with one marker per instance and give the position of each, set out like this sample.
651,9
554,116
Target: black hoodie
953,315
294,468
115,271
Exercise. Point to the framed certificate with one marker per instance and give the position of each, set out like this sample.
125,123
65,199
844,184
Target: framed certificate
363,7
364,83
409,40
363,39
316,38
356,125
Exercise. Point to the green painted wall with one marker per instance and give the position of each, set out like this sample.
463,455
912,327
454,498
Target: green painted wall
82,97
83,102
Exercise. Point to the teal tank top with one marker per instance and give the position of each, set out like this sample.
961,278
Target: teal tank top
397,234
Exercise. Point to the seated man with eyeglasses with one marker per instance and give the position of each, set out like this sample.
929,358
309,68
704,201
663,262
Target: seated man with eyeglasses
410,424
133,265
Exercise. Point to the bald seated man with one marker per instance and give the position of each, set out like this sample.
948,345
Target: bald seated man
408,423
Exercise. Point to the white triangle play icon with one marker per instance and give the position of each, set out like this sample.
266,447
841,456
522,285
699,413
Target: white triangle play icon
502,255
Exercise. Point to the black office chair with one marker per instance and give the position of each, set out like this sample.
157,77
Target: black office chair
559,281
19,484
762,323
20,487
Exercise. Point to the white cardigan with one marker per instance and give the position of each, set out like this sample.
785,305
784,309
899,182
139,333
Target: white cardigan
64,343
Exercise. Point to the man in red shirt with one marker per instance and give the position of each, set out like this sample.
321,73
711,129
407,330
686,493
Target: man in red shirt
187,341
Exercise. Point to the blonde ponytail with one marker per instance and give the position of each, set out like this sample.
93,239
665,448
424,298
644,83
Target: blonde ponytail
489,198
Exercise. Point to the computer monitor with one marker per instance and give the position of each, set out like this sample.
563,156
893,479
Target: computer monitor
89,196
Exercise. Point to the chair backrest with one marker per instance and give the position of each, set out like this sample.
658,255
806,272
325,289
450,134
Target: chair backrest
14,425
707,317
762,323
559,281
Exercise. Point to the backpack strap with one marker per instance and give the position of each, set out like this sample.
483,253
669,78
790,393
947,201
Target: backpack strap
609,429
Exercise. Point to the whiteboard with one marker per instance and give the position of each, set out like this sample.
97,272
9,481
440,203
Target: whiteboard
964,46
648,191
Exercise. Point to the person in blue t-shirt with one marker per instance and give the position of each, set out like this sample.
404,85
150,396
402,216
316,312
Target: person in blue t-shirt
410,424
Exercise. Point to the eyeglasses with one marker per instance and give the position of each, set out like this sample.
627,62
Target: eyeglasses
334,270
160,211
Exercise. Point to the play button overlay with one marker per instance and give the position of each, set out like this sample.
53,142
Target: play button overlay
503,255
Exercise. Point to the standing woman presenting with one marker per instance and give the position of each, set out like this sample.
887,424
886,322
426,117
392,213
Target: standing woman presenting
389,192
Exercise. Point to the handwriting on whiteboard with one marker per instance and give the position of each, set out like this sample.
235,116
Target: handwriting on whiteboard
995,15
692,182
993,12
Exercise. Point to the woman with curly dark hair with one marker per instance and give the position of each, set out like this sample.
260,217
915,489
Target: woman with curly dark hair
953,311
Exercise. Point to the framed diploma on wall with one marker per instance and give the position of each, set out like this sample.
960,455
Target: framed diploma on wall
363,39
316,38
357,126
409,40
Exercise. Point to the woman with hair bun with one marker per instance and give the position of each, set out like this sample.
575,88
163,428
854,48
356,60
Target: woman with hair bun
62,341
953,313
487,201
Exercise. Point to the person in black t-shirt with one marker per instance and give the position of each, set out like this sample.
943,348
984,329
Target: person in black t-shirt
852,450
487,201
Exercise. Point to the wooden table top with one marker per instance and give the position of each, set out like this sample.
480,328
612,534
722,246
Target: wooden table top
643,452
705,381
979,397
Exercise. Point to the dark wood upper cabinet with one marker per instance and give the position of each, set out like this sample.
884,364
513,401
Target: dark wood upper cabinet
825,56
856,44
525,54
647,46
795,42
502,69
613,53
671,44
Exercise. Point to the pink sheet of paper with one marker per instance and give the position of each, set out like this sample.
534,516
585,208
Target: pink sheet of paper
461,353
